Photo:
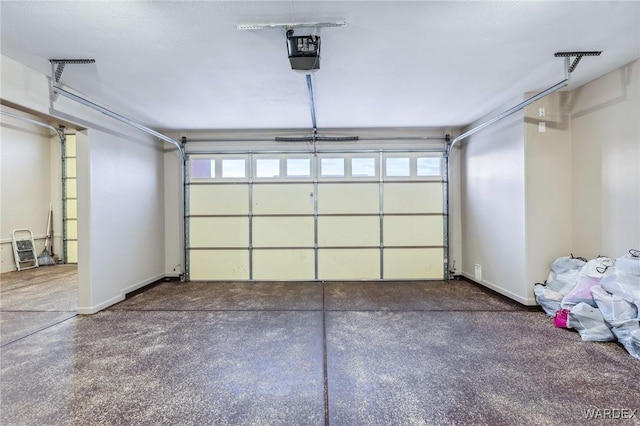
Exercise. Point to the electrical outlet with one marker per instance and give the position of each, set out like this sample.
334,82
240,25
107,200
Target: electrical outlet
478,273
540,112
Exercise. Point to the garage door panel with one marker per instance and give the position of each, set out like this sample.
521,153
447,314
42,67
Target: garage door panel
72,252
283,231
219,232
71,168
218,199
283,199
72,209
348,264
413,197
218,265
321,221
72,229
283,265
413,263
71,187
348,198
348,231
413,231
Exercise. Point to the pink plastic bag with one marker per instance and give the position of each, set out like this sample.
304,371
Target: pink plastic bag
560,320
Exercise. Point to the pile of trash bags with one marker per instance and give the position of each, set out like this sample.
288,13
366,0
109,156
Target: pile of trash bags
599,298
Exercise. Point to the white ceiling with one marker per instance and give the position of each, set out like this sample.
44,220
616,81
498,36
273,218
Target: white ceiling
184,65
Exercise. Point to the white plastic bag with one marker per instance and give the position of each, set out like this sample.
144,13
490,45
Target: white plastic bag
588,321
561,280
590,276
633,347
614,308
622,285
622,316
548,299
629,265
564,274
628,334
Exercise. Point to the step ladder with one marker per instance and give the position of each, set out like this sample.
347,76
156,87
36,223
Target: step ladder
24,249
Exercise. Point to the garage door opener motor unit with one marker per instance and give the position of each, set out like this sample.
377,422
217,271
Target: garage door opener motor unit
304,52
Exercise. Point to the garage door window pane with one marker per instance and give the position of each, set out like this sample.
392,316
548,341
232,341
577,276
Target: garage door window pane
363,167
398,167
203,168
267,168
298,167
332,167
233,169
429,166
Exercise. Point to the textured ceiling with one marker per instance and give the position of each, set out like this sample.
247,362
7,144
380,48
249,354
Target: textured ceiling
184,65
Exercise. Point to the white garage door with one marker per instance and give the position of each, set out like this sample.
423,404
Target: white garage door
339,216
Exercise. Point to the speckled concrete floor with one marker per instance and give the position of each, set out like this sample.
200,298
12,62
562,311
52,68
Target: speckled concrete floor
34,299
302,353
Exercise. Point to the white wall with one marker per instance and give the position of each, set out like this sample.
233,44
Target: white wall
493,206
530,197
123,241
28,172
605,123
548,186
120,193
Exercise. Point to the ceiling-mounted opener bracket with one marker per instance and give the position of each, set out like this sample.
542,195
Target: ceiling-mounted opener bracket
577,57
291,25
57,66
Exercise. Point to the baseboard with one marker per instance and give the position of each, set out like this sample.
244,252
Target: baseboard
142,284
123,294
507,293
99,307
